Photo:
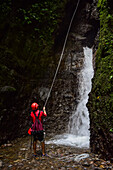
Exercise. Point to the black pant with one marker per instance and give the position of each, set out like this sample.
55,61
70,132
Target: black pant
39,136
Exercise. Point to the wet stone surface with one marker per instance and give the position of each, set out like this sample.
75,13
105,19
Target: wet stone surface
18,155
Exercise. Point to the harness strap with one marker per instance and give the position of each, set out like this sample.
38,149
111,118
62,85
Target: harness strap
37,117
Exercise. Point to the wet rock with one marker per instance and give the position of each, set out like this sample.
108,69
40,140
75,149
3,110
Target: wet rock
43,92
111,160
1,156
6,145
23,149
86,164
102,166
20,164
62,168
59,157
77,37
1,163
79,168
16,161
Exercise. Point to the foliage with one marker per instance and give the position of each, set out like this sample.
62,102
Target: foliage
28,31
44,18
27,34
5,8
101,98
103,81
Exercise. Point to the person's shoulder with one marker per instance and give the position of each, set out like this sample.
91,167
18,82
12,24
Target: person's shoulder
37,111
31,113
41,111
44,114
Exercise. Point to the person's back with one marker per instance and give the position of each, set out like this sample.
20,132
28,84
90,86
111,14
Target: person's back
36,114
42,114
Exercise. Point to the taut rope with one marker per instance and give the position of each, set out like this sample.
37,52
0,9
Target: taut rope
62,53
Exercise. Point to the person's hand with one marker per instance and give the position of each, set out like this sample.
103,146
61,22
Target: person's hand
44,111
43,108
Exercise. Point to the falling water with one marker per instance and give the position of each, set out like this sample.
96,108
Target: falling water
78,128
79,121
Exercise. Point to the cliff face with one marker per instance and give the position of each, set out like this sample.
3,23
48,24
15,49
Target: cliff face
65,91
29,63
31,41
101,97
27,34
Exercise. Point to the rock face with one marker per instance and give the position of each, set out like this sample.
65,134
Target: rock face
63,98
101,98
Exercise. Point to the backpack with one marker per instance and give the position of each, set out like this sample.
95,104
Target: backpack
37,127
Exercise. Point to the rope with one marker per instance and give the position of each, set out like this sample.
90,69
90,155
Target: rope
61,53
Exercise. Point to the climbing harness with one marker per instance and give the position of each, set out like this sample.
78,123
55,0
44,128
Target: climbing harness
61,54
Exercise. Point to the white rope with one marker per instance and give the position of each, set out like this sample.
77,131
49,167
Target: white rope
62,53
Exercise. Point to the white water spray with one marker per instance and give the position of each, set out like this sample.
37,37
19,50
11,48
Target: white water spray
78,128
79,121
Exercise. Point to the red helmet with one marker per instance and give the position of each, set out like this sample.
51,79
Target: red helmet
34,106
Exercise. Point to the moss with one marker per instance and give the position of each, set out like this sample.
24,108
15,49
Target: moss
27,36
101,97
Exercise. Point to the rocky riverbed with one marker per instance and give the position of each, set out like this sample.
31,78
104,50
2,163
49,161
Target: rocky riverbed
18,155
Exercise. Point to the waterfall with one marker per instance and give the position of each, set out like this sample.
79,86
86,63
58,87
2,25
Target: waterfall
78,128
79,121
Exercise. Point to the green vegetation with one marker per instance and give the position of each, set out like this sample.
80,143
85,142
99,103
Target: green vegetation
101,98
27,35
28,29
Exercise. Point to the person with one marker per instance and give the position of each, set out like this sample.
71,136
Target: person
39,137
